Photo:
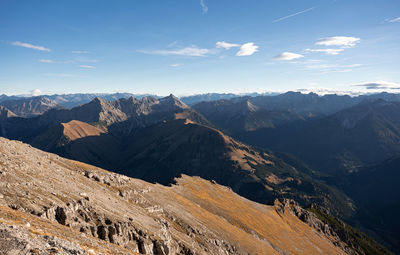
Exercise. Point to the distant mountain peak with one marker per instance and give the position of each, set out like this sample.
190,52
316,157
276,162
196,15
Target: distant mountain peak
173,100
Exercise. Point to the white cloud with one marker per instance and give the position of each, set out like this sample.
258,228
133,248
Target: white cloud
36,92
380,85
288,56
394,20
87,66
188,51
247,49
294,14
30,46
204,7
226,45
175,65
326,51
80,52
344,41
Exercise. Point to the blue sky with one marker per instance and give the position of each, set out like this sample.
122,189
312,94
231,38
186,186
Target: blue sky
191,46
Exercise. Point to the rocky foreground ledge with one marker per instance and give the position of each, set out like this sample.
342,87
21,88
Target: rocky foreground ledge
51,205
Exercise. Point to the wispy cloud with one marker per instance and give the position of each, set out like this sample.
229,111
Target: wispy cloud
394,20
380,85
324,68
247,49
80,52
85,60
204,7
226,45
294,14
188,51
87,67
176,65
343,41
288,56
326,51
46,61
30,46
50,61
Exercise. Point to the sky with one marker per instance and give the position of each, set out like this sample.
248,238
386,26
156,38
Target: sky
189,47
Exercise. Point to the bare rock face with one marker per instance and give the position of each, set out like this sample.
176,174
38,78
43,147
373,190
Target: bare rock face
308,217
51,205
17,240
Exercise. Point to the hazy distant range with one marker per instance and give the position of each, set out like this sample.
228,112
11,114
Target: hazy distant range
72,100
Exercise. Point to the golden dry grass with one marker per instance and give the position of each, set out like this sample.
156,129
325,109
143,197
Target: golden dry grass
77,129
240,220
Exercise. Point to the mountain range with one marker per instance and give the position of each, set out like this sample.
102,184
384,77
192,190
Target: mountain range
360,135
293,146
140,137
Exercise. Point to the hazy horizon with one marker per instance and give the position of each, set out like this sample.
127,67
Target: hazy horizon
272,93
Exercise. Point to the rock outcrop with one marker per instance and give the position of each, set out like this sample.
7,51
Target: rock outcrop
289,205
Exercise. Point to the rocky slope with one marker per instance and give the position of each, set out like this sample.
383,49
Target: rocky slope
51,205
